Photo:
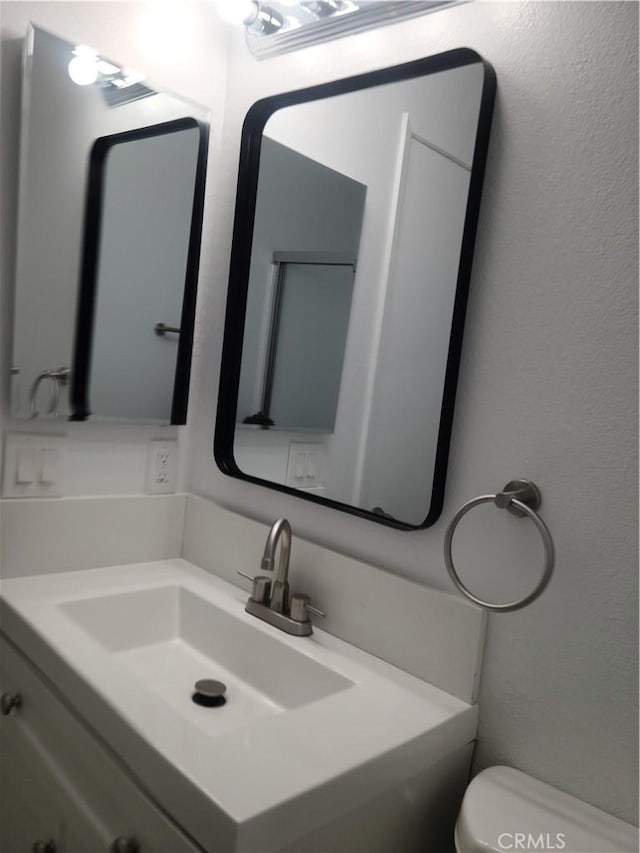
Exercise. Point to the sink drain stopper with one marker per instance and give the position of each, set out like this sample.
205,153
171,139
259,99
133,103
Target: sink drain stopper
209,693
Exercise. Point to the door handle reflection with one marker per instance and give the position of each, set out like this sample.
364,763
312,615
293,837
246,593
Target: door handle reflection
161,329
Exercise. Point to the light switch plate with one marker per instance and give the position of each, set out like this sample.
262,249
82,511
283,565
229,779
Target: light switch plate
33,466
305,465
25,467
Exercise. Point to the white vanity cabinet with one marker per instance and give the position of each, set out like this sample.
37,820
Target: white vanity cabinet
319,746
62,791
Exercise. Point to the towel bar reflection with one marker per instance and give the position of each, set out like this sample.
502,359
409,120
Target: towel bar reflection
521,498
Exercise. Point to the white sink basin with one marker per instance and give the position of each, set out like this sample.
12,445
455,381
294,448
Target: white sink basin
171,638
311,729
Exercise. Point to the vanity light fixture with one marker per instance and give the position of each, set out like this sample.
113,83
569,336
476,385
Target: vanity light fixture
279,26
264,20
325,8
118,85
258,18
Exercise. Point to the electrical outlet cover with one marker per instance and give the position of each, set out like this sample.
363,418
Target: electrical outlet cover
162,468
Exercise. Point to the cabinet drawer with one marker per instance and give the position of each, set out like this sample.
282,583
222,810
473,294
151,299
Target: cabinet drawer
60,783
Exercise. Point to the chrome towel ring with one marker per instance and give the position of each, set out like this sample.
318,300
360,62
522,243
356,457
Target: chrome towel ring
59,378
521,498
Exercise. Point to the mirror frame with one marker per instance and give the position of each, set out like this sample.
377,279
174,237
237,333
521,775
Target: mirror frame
241,249
90,254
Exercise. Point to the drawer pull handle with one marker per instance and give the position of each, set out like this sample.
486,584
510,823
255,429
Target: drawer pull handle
44,847
8,702
124,845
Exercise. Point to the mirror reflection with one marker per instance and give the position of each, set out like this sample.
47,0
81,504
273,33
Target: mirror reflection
399,158
111,191
305,247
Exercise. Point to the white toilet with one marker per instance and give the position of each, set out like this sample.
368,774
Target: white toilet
506,810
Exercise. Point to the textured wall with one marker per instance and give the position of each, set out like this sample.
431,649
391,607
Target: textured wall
548,384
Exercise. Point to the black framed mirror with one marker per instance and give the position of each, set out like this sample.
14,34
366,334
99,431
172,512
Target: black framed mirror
143,221
383,173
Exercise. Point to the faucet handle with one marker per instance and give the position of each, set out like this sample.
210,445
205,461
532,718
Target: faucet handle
261,587
300,608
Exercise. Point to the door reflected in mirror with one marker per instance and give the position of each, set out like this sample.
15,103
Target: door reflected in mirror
363,362
305,247
307,337
136,251
110,208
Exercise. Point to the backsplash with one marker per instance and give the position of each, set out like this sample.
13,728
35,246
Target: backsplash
40,536
433,635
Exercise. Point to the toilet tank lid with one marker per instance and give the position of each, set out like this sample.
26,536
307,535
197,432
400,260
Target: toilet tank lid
506,810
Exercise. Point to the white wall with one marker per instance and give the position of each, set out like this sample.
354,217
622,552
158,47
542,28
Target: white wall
548,378
185,54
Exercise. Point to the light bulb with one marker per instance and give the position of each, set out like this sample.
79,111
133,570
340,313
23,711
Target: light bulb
237,11
83,70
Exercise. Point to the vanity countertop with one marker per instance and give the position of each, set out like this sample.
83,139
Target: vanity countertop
312,727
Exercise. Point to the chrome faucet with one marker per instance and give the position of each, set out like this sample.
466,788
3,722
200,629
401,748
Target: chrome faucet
270,601
281,529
